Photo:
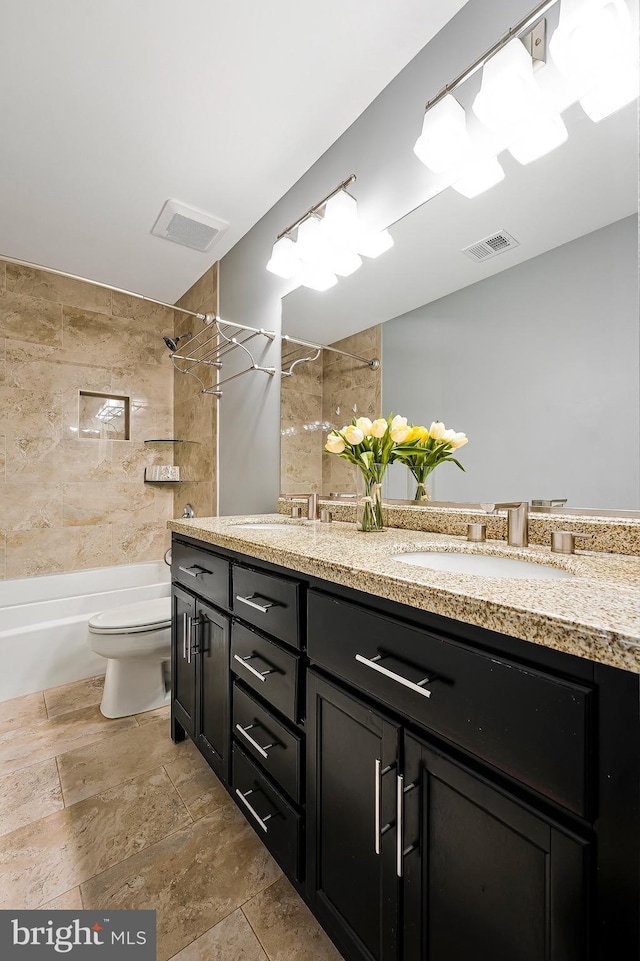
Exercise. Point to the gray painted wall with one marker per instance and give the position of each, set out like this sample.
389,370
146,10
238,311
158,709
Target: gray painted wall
539,366
391,182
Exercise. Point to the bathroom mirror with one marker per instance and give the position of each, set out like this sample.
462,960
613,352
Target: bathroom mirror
533,352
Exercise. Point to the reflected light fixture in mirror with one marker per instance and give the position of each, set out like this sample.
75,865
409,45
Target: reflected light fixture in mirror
329,242
593,52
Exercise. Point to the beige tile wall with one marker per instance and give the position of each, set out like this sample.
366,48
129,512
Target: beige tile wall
66,503
195,413
321,396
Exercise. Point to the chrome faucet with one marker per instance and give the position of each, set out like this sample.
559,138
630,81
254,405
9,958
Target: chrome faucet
517,521
313,512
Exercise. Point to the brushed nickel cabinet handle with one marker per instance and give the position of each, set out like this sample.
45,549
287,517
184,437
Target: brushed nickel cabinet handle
194,571
261,675
412,685
399,823
243,798
379,831
189,625
261,750
249,601
185,618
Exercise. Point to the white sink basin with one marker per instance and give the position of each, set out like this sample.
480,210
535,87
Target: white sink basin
484,565
257,526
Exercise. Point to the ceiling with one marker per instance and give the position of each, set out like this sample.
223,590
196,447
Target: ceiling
110,109
587,183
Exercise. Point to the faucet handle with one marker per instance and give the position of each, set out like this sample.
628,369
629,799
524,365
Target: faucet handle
564,542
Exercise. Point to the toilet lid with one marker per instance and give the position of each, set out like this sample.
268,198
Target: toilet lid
133,618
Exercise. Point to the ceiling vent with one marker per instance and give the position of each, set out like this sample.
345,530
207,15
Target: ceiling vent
187,226
491,246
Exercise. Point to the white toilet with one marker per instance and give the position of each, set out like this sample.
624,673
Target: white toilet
136,640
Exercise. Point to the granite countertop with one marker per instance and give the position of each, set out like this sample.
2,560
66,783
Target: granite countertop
595,614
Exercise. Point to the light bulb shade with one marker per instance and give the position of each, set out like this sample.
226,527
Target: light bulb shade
345,262
313,246
340,221
284,260
444,140
317,278
373,244
595,48
479,176
509,96
540,137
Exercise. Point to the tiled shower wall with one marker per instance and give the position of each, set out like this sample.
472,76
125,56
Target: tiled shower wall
318,397
195,413
68,503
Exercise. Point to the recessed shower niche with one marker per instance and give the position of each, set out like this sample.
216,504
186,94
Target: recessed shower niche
103,416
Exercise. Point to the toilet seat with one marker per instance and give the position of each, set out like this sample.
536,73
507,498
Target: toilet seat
145,616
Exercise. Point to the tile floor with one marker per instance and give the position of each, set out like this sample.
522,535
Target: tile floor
97,813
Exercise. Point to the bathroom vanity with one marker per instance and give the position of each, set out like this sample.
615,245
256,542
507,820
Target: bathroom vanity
445,766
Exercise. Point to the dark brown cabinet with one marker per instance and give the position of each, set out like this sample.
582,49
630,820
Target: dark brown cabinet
484,876
434,791
200,659
352,754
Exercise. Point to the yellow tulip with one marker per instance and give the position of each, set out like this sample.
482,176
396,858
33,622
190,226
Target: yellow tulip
379,427
335,444
365,425
353,435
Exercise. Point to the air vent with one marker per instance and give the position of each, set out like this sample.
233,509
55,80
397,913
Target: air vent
187,226
491,246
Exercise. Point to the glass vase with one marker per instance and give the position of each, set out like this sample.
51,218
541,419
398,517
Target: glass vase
417,486
370,511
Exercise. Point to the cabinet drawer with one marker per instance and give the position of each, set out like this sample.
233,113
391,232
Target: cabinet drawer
201,572
272,745
530,725
267,668
269,602
273,819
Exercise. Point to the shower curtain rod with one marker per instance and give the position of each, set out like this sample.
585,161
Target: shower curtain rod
374,363
208,318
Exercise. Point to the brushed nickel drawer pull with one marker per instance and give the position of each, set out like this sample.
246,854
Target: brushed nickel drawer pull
261,675
401,851
194,571
261,821
412,685
185,621
249,601
247,737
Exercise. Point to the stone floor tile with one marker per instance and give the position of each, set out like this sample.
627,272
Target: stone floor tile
196,783
94,768
193,879
21,747
71,697
229,940
29,794
69,901
22,711
41,861
285,926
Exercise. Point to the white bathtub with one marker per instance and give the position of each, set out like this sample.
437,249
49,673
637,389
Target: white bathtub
43,622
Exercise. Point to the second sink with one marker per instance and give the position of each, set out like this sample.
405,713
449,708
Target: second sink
484,565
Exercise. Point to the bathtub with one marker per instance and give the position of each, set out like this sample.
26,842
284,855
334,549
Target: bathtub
43,622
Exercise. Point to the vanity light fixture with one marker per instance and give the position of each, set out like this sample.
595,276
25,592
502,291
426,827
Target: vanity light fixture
511,105
329,242
593,49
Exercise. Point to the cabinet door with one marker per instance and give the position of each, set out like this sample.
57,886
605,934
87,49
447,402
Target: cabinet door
484,876
352,754
212,687
183,664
